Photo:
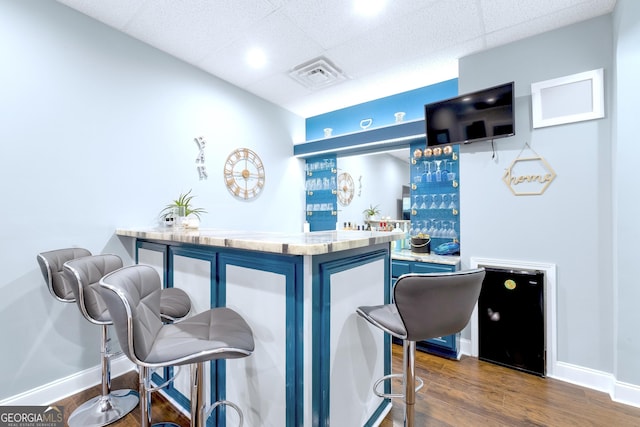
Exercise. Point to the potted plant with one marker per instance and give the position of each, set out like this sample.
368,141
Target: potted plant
181,208
371,212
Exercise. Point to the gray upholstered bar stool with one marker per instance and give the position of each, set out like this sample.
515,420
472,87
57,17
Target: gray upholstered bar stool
425,306
83,275
51,263
132,295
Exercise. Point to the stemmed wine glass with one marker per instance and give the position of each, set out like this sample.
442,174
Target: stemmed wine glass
443,203
434,201
445,171
451,174
438,171
425,226
424,202
444,229
437,229
415,202
453,198
429,175
432,229
413,229
452,231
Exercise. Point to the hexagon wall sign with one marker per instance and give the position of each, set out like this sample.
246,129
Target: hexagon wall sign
529,176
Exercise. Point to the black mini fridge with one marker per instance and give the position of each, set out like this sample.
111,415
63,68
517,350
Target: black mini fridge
511,319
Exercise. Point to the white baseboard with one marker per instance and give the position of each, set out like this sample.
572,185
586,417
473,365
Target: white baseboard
628,394
585,377
465,346
64,387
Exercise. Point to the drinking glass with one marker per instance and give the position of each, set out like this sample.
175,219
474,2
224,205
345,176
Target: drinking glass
452,231
434,201
445,201
451,174
438,171
445,171
429,175
437,228
432,228
453,201
424,202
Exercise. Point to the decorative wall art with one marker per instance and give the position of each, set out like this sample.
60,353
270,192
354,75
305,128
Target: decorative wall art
345,189
568,99
528,176
202,171
244,174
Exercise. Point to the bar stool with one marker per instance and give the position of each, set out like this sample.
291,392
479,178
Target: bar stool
83,274
425,306
132,295
51,263
68,285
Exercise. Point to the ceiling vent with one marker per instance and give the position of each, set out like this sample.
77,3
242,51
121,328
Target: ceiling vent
317,73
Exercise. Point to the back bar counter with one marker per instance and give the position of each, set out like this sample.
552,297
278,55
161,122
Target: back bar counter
315,361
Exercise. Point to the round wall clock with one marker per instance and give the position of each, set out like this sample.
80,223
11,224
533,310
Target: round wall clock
244,174
345,189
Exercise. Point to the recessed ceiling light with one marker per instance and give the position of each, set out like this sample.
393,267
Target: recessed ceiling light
368,7
256,58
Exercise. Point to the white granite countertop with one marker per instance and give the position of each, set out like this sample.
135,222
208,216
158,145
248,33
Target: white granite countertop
314,243
407,255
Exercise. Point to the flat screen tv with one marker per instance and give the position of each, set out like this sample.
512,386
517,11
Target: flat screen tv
478,116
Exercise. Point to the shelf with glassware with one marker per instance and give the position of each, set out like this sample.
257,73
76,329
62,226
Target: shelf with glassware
435,194
321,193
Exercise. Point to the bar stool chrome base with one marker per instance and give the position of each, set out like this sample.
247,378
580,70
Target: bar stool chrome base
103,410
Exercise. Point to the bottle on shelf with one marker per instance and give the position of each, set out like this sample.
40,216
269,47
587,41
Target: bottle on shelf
399,244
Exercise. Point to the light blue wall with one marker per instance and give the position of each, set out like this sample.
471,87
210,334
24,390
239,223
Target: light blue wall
570,225
626,152
97,133
378,182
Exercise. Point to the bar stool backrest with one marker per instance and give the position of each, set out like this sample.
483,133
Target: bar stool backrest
134,302
437,304
51,265
83,275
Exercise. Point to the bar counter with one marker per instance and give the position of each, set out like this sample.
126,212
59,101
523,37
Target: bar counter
315,360
313,243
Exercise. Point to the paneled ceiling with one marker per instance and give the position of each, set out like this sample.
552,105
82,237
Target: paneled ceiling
408,44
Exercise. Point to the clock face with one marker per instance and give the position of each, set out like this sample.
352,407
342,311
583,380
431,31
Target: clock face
244,174
345,189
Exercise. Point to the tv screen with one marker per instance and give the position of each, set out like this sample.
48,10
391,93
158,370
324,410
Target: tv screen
477,116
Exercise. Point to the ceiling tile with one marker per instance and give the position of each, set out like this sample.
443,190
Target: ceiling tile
499,14
430,29
285,45
192,29
411,44
279,89
115,13
540,24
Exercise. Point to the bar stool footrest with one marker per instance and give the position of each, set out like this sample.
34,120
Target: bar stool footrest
393,395
226,403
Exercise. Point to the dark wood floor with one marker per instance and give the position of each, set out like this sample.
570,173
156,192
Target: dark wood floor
468,392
